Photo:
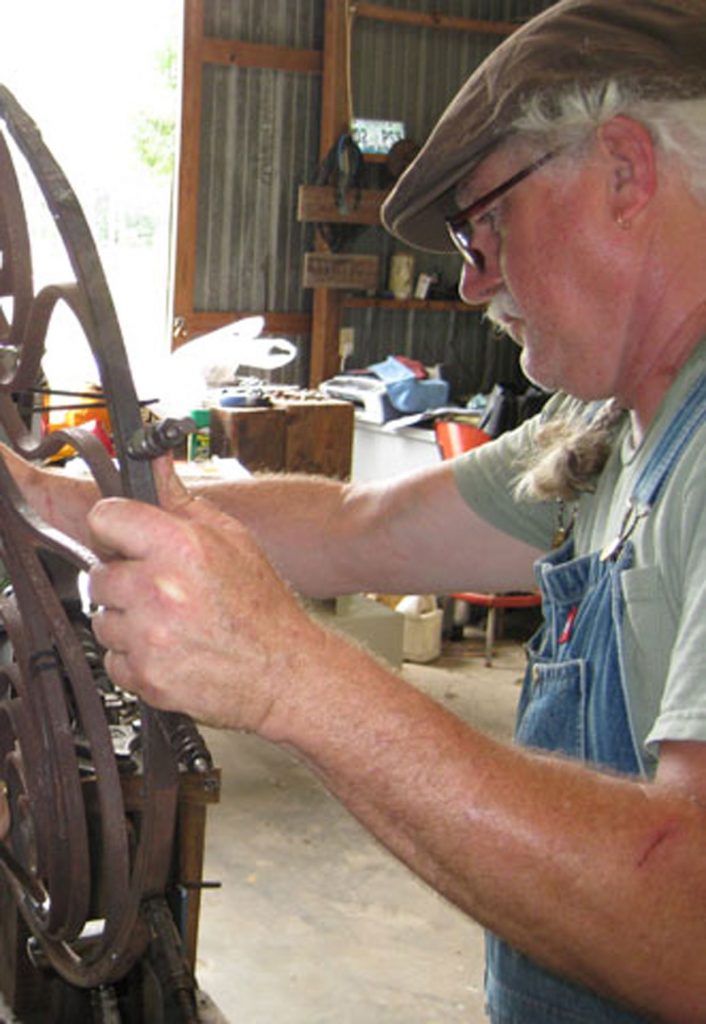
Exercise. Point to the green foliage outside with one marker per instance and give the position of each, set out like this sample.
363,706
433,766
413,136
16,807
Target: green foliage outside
155,133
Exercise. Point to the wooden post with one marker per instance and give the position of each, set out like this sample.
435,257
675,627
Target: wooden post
189,159
324,360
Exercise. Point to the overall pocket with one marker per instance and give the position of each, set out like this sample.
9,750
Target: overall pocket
552,714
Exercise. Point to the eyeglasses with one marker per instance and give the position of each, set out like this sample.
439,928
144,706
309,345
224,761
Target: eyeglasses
460,225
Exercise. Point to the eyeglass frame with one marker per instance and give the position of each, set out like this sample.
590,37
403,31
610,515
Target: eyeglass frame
455,221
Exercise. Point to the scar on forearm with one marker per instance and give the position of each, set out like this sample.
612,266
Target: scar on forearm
655,842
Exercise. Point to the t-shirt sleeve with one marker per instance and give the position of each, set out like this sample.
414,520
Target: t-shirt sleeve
486,477
682,712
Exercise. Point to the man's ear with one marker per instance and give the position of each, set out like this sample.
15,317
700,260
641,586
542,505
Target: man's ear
633,162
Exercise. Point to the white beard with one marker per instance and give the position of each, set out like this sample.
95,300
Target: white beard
501,311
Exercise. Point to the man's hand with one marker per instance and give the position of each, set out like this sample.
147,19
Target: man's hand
193,616
60,499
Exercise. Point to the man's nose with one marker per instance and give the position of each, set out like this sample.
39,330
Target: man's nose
477,287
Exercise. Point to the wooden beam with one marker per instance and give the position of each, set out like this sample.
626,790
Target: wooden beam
259,55
431,305
421,19
189,160
323,357
318,203
324,360
334,109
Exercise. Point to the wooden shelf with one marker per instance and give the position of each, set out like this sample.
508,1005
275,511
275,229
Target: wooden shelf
431,305
418,19
318,203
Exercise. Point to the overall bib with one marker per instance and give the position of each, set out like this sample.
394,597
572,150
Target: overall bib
574,701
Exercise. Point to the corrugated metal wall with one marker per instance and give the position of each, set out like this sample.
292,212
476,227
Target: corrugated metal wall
260,138
408,73
259,142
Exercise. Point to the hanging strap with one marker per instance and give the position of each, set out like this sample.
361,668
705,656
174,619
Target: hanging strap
343,167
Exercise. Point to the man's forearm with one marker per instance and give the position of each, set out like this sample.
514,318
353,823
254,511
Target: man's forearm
411,535
287,514
526,844
299,522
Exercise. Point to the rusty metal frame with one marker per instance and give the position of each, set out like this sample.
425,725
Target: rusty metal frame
86,892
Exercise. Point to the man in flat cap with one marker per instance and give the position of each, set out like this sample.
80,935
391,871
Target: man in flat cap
569,174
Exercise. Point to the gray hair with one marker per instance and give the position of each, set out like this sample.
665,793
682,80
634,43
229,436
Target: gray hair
569,452
677,126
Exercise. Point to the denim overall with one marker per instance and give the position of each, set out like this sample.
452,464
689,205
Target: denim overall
574,702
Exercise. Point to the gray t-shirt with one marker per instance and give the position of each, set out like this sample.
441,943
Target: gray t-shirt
665,592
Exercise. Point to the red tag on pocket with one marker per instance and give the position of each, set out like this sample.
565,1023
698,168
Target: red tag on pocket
568,625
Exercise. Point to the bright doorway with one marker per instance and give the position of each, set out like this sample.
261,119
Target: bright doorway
100,79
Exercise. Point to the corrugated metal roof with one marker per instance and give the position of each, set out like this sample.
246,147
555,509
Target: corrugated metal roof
297,23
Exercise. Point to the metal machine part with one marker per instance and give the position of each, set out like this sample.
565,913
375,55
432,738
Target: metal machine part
86,888
155,439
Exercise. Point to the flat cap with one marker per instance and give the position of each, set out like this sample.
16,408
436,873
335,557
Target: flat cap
658,45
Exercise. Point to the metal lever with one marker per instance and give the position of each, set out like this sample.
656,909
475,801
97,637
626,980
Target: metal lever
155,439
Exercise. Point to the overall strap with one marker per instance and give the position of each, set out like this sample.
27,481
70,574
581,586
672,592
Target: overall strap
690,415
688,418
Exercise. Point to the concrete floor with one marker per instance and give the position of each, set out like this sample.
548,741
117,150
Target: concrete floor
315,923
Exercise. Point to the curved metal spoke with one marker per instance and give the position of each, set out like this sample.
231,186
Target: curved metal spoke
57,754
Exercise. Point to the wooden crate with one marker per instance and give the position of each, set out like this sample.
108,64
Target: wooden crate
298,436
254,436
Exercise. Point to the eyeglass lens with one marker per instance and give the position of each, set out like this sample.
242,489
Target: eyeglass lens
462,238
460,225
